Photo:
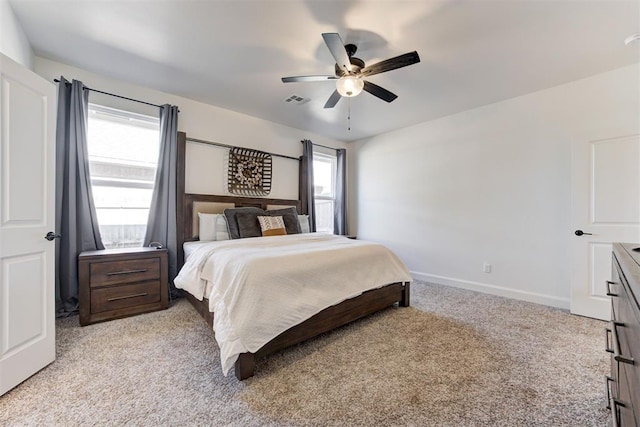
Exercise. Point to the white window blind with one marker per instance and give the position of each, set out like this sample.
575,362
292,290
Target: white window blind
324,180
123,156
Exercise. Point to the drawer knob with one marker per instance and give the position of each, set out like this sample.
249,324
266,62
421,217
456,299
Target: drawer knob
117,273
609,293
613,403
142,294
613,331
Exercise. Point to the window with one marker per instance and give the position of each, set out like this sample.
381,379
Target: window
324,180
123,157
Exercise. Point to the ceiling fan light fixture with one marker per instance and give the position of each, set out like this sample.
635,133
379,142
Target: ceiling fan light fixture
349,86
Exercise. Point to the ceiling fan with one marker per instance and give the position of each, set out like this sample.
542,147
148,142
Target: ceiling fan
351,71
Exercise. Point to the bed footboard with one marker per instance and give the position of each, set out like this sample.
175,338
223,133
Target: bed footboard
328,319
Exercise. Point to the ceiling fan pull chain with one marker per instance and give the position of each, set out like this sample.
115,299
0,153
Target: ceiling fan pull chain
349,113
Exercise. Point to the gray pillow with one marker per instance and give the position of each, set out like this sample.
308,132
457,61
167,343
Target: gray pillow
290,217
248,224
232,222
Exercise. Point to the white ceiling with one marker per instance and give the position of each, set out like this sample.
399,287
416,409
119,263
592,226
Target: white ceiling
233,53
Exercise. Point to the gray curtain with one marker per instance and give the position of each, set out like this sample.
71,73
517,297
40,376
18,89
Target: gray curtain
306,182
340,205
161,226
76,218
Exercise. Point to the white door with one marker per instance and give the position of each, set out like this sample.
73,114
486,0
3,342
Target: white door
606,208
27,156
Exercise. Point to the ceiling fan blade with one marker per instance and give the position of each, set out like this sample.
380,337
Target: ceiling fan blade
336,47
333,99
380,92
307,79
391,64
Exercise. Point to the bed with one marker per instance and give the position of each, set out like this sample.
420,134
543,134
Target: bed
234,301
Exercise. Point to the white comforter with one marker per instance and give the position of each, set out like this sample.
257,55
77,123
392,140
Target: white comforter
260,287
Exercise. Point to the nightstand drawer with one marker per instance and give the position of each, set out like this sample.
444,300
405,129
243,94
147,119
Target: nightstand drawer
116,297
116,272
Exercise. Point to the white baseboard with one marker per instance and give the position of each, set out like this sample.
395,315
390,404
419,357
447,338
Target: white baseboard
494,290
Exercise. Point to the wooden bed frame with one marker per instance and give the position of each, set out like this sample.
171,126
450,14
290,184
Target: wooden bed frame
328,319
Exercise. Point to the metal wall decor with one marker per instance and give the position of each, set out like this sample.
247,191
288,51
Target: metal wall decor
249,172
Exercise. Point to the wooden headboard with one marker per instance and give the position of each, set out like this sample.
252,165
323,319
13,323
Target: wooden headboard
188,205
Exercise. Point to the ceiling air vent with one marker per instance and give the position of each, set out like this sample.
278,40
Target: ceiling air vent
296,100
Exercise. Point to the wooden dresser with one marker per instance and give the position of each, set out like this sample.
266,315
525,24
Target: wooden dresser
117,283
623,336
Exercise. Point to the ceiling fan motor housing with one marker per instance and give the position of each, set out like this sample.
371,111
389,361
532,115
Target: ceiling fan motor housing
357,65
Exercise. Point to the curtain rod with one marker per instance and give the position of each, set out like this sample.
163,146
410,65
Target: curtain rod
219,144
323,146
118,96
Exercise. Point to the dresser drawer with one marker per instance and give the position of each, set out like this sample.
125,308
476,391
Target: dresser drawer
629,325
627,413
615,290
632,371
117,297
127,271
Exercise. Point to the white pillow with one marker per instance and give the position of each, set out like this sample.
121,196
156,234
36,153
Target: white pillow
304,223
207,230
213,227
222,229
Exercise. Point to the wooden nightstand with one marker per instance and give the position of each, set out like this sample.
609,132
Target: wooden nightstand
117,283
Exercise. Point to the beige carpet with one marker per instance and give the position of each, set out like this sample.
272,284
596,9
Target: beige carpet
455,358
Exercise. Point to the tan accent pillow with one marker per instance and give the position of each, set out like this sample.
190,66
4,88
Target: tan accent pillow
272,225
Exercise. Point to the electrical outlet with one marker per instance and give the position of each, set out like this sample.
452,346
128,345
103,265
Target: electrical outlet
486,267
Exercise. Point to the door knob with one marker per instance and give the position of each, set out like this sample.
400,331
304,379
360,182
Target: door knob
51,235
580,233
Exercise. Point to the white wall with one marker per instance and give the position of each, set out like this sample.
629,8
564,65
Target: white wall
205,164
13,41
491,184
